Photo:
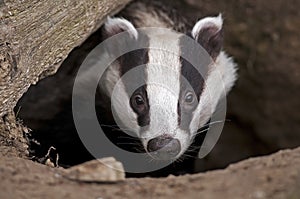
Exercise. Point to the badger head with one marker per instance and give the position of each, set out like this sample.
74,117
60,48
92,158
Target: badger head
174,100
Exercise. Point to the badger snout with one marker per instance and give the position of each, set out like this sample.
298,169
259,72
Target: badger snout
164,147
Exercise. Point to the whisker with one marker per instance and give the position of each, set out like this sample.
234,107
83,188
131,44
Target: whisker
204,130
115,127
139,150
109,125
127,143
183,157
187,155
192,149
149,158
129,137
122,129
207,126
180,159
215,122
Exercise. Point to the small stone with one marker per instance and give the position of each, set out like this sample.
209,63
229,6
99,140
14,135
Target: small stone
101,170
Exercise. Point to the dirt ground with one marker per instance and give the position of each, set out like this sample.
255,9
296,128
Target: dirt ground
275,176
263,37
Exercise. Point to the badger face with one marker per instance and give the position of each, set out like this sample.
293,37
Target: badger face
174,101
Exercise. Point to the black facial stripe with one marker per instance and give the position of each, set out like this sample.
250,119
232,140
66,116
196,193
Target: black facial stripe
143,114
192,76
191,80
133,59
179,113
129,61
197,73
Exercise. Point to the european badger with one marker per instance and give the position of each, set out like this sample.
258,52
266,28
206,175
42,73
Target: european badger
153,113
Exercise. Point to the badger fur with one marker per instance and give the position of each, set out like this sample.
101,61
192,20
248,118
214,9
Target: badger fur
152,112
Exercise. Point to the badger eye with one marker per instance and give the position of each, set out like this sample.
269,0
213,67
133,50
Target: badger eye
139,100
189,98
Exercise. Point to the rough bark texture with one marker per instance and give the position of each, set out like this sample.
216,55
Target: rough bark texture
35,37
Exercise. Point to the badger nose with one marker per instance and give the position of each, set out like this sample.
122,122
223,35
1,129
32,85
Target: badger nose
163,148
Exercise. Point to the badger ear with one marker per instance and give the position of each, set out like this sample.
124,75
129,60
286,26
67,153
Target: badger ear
209,33
117,25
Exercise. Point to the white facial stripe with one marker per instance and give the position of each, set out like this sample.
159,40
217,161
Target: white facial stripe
163,116
120,102
163,85
222,75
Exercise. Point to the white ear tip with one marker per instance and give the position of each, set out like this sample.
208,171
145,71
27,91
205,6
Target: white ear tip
207,22
219,18
112,24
